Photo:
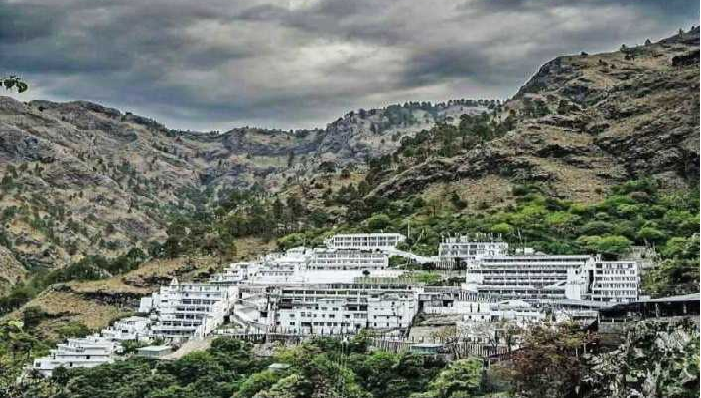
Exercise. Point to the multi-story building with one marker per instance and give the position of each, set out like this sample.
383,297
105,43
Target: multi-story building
235,273
187,310
86,352
129,328
372,241
455,252
544,277
600,280
344,259
301,265
528,278
342,308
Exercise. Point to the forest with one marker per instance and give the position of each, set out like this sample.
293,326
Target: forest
550,363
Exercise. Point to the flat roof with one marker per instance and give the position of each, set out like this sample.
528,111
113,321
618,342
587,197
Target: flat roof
154,348
683,297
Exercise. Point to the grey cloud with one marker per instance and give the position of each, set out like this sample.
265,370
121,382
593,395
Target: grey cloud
216,62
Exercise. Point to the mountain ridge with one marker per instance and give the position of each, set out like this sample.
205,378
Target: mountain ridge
81,179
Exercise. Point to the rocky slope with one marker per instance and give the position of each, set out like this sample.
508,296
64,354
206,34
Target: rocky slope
583,123
79,178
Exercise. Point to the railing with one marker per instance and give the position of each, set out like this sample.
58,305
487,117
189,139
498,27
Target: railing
451,347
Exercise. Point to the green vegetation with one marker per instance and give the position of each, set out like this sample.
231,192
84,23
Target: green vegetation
636,213
668,366
14,82
562,361
88,268
322,367
17,347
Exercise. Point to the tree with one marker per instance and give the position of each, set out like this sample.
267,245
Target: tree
32,316
651,235
501,228
462,378
656,360
378,221
547,365
14,82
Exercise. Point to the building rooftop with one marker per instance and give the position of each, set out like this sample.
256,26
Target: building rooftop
154,348
684,297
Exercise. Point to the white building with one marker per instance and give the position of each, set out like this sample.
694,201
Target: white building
86,352
469,310
599,280
371,241
300,265
182,311
517,311
235,273
342,308
344,259
522,277
455,252
544,277
129,328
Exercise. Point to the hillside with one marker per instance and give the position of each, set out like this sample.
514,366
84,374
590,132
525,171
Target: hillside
581,124
80,179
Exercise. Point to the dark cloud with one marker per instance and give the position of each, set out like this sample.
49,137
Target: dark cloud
302,63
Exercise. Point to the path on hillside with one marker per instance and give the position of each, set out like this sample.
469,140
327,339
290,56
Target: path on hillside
191,346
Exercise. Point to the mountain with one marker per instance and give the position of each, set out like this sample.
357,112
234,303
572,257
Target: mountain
83,179
79,179
581,124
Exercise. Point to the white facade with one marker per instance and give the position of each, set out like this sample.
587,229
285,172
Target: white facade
129,328
518,311
522,277
614,281
235,273
372,241
300,265
342,308
537,277
344,259
469,310
86,352
599,280
187,310
457,251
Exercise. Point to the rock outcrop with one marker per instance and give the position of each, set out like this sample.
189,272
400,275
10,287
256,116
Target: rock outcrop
609,118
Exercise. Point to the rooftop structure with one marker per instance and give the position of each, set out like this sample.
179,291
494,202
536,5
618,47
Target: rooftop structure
182,311
154,351
522,277
455,252
129,328
370,241
342,308
84,352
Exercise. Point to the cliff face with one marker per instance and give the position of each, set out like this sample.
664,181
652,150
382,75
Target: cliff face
598,120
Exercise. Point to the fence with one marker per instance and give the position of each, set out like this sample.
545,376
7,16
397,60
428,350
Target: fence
453,348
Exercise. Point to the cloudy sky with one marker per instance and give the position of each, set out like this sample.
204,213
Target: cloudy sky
216,64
